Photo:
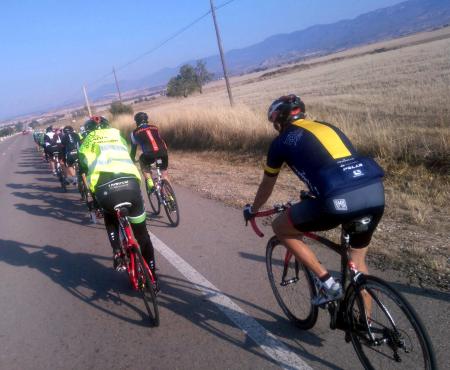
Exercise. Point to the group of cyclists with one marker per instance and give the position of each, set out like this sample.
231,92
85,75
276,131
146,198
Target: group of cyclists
108,171
343,185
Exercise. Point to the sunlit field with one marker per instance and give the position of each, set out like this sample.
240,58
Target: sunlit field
394,106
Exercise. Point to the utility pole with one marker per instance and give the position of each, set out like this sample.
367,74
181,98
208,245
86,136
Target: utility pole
222,57
87,101
117,84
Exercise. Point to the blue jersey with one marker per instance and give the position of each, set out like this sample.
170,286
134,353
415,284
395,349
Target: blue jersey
322,157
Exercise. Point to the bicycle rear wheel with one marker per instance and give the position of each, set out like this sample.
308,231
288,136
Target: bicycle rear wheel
292,284
153,198
147,290
395,337
170,203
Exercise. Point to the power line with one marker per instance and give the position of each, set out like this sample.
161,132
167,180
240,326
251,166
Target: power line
155,48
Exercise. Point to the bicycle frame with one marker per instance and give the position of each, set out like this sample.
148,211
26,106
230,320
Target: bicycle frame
348,268
130,247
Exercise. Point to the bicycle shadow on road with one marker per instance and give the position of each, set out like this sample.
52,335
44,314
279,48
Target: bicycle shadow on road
184,299
45,203
82,275
158,221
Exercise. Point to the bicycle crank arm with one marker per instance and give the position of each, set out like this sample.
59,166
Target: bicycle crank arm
290,281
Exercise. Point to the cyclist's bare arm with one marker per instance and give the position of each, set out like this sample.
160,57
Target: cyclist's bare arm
264,191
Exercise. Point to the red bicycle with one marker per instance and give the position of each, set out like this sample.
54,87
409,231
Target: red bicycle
141,276
384,329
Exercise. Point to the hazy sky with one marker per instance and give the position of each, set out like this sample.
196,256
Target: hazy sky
50,48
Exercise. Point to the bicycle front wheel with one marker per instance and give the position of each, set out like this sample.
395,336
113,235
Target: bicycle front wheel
385,330
147,289
62,179
292,284
170,203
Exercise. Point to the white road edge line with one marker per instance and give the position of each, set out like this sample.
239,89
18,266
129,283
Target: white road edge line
266,340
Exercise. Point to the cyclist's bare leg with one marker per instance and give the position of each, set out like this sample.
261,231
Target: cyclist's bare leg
289,236
358,256
52,165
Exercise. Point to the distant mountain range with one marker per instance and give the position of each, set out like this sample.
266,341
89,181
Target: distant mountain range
405,18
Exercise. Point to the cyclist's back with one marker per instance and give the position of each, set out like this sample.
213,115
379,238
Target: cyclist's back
147,137
152,145
113,178
322,157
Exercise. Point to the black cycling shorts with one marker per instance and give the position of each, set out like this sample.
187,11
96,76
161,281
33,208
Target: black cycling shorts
71,158
50,150
146,159
120,190
326,214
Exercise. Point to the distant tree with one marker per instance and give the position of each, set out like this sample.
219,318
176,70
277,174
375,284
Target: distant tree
202,74
34,124
119,108
19,126
6,131
174,87
188,80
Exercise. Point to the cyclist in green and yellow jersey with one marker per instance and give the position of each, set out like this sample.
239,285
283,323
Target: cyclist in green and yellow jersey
113,178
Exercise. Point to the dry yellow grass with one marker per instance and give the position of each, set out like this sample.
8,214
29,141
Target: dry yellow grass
394,106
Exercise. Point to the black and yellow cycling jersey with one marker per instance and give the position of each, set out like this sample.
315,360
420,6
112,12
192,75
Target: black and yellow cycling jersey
322,157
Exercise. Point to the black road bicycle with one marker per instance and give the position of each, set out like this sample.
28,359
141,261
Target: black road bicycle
163,194
60,174
384,329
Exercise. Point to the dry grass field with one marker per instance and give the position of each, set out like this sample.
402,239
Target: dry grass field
394,104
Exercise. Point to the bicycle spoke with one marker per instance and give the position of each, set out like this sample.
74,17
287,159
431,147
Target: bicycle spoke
395,337
291,284
170,203
147,289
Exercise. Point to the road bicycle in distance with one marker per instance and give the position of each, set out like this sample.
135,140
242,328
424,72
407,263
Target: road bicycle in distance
140,275
80,183
384,329
60,173
163,194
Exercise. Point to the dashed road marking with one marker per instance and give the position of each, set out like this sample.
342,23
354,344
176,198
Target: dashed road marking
266,340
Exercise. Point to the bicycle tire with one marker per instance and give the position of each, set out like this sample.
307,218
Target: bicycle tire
170,203
62,179
147,290
390,312
295,297
154,200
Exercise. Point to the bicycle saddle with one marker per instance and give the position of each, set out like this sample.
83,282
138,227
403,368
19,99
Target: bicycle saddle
357,225
123,207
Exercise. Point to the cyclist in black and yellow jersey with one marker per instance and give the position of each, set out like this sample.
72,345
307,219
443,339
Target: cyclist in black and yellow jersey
113,178
343,186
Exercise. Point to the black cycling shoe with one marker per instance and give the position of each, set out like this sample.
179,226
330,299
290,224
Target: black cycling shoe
118,262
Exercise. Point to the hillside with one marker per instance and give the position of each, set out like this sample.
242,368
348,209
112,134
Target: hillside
386,23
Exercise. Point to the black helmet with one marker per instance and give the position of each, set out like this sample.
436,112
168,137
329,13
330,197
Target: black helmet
285,109
140,118
49,129
67,129
96,122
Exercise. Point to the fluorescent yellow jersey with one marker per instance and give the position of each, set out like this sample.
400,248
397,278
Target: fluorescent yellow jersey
104,151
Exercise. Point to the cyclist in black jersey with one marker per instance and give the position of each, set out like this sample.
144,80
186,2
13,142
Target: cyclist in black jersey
152,145
343,185
70,142
52,144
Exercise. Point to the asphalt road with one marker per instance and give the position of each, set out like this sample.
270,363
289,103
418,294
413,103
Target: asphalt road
63,307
